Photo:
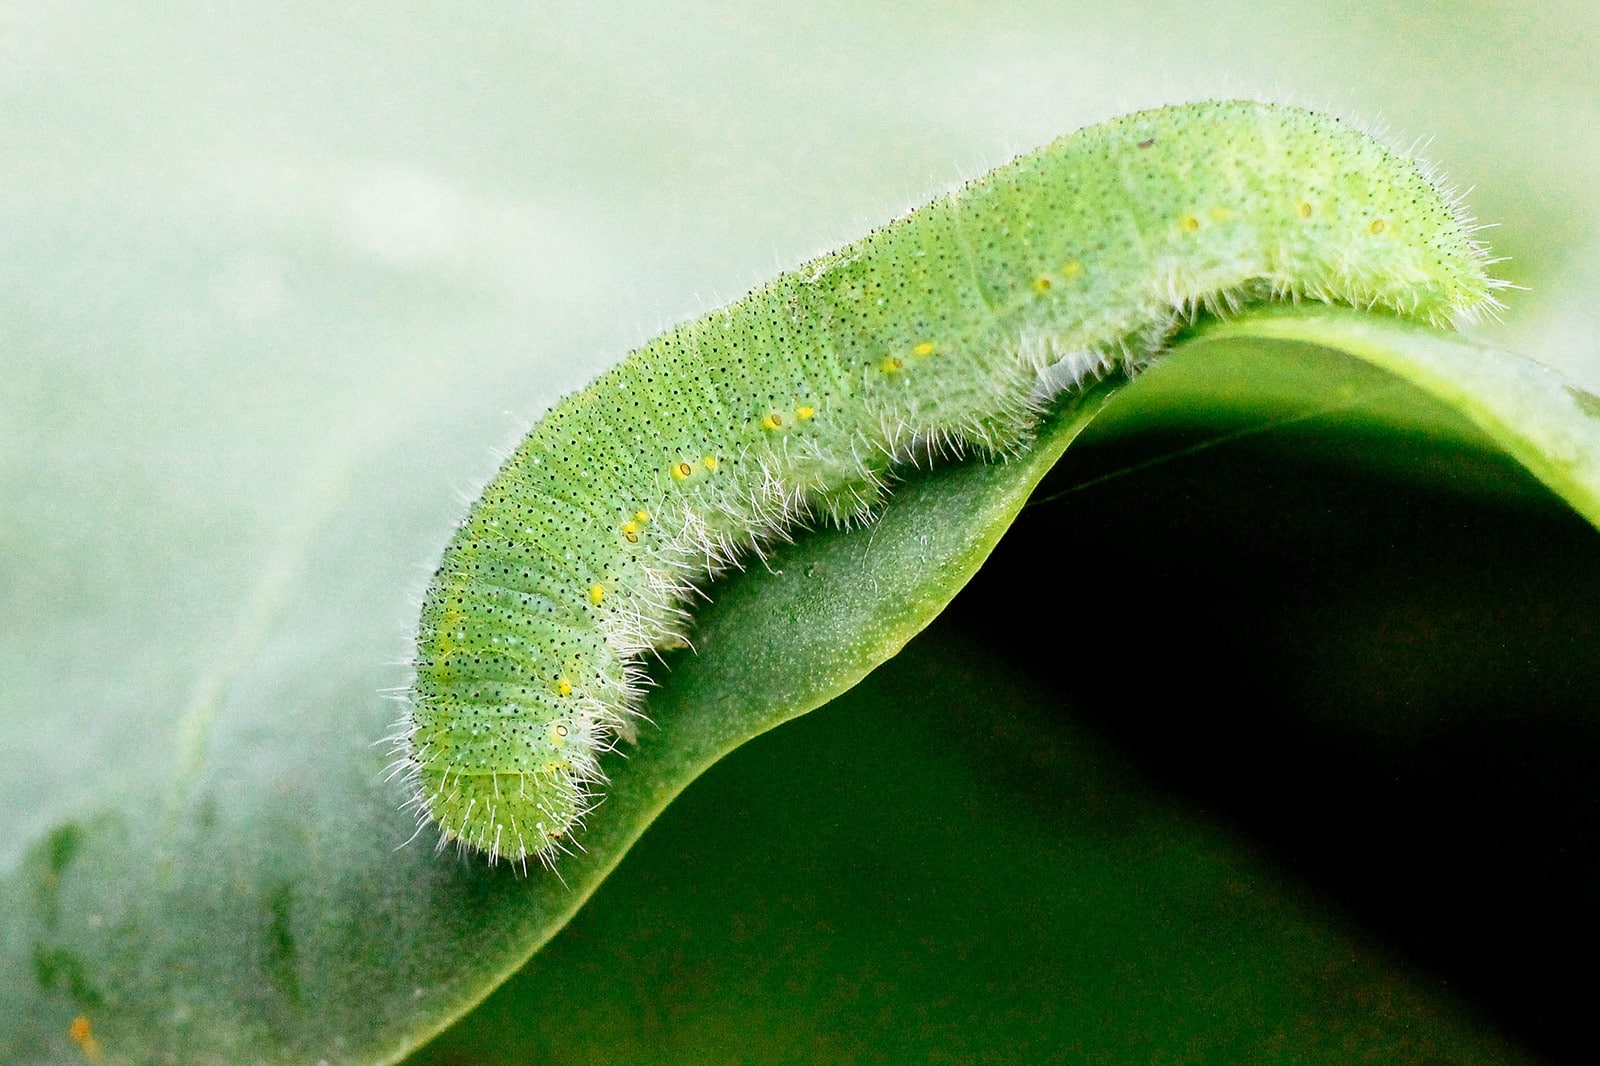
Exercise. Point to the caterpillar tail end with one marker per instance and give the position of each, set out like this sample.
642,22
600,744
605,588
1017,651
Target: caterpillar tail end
510,816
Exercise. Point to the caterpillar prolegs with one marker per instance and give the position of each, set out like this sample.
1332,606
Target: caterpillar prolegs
946,329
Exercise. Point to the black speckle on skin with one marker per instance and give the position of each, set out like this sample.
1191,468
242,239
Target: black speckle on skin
510,606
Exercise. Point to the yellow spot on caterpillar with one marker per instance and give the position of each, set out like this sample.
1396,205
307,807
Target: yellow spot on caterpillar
890,364
83,1036
641,516
1220,214
630,532
710,461
1041,284
1378,226
925,348
804,412
487,794
563,686
1304,209
773,421
597,594
1188,223
681,470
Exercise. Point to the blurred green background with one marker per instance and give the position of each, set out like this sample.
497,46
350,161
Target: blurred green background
278,284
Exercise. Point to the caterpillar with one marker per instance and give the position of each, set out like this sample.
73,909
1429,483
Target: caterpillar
950,329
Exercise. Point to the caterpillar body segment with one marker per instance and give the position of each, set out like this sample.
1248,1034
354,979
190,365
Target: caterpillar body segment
932,334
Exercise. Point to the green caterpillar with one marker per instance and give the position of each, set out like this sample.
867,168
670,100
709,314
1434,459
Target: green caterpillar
947,330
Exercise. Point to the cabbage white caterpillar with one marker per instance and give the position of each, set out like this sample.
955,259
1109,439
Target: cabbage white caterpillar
948,329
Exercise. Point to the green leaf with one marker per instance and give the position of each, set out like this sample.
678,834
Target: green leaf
942,866
249,895
1549,425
